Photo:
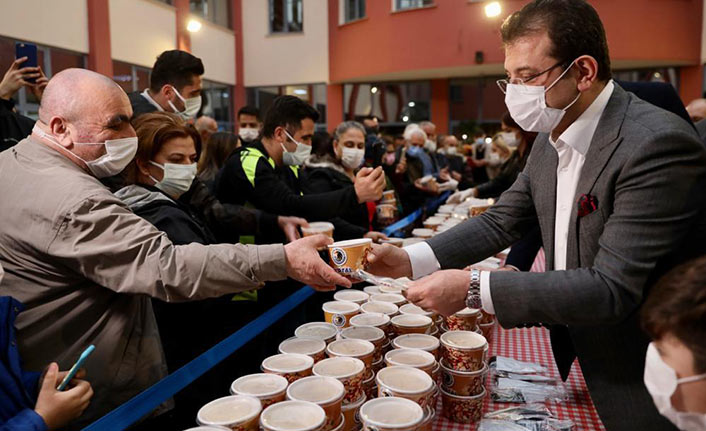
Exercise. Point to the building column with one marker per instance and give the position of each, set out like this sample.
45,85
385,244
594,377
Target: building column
182,18
691,81
239,95
99,55
439,110
334,105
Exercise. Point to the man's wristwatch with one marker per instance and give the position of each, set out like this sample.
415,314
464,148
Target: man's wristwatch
473,296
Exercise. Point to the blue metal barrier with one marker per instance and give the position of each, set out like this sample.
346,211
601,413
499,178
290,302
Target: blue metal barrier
432,205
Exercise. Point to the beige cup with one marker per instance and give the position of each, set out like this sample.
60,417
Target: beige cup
367,333
391,414
390,289
388,195
464,350
349,371
487,330
351,414
338,313
464,320
268,388
313,347
326,392
319,227
423,233
380,307
235,412
291,366
347,257
406,382
370,388
386,212
321,330
428,343
432,223
428,421
414,358
371,290
361,349
411,324
378,320
293,416
413,309
460,409
392,298
464,383
351,295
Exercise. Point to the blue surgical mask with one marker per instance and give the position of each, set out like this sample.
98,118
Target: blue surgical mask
414,151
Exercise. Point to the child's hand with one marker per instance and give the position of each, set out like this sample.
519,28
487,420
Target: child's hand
59,408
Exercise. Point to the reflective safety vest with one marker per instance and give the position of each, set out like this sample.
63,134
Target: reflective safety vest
249,158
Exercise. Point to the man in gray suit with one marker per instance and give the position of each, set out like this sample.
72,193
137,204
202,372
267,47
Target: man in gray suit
616,186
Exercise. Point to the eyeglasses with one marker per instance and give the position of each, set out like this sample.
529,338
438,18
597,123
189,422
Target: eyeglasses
502,83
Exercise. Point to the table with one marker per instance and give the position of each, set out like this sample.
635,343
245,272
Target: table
532,344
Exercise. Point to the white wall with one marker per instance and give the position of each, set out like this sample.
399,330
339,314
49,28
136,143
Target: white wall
63,24
287,58
140,30
215,46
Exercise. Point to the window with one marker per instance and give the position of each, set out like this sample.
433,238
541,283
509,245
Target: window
286,16
215,11
130,78
313,94
395,104
412,4
353,10
217,103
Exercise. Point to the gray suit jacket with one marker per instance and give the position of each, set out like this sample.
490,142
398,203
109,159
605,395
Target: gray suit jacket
647,170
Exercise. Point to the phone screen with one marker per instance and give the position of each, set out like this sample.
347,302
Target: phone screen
28,50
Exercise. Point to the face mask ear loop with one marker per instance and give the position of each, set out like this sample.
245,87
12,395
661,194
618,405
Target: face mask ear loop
560,76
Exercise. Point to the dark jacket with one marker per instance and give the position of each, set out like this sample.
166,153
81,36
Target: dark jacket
18,388
505,178
140,105
323,175
13,126
251,177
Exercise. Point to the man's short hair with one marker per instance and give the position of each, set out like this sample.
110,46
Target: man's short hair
573,26
249,110
676,305
176,68
287,112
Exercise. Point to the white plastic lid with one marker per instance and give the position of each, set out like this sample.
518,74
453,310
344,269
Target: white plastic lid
340,307
321,330
468,312
231,410
404,379
348,347
391,412
411,320
259,385
371,290
370,319
379,307
351,295
422,232
416,341
305,346
416,358
351,243
367,333
463,339
316,389
319,226
394,298
293,416
413,309
339,367
288,363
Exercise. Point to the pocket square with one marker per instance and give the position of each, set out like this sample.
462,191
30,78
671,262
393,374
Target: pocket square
587,204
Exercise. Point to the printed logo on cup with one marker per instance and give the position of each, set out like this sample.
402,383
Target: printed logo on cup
356,417
338,320
448,380
339,256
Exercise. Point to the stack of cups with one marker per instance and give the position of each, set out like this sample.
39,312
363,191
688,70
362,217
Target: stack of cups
352,295
411,324
326,392
413,309
383,307
407,382
314,347
339,313
392,414
465,320
268,388
414,358
236,412
293,416
393,298
486,325
378,320
350,372
291,366
464,369
321,330
368,333
424,342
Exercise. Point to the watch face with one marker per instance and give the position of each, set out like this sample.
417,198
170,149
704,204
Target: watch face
473,301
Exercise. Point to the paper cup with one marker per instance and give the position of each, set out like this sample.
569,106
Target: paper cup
460,409
397,242
268,388
361,349
464,320
405,382
291,366
392,298
423,233
464,350
370,387
349,371
338,313
411,324
388,195
341,423
371,290
378,365
351,414
486,318
380,307
486,330
321,330
235,412
367,333
326,392
414,358
319,227
432,223
378,320
428,421
390,289
428,343
206,429
293,416
464,383
413,309
351,295
314,347
347,257
476,210
386,212
391,414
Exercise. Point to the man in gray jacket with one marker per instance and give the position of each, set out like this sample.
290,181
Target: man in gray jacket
85,266
616,186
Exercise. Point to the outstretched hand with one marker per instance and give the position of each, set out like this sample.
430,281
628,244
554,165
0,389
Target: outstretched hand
389,261
304,264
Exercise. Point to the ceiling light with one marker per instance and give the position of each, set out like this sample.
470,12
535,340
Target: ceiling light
193,26
374,90
493,9
411,104
464,136
405,118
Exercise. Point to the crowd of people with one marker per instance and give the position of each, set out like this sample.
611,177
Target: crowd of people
134,224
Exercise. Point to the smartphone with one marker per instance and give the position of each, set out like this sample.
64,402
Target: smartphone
28,50
77,366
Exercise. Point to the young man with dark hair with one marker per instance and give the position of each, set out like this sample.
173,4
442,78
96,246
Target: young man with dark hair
674,315
175,86
615,185
249,124
265,174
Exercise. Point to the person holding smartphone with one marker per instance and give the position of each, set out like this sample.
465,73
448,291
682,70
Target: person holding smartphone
13,126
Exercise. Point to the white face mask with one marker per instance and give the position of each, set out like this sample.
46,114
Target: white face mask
177,178
661,382
298,156
248,134
510,139
494,157
118,153
351,158
452,151
191,106
430,145
528,106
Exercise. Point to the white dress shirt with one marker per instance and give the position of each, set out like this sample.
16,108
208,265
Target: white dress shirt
146,95
571,147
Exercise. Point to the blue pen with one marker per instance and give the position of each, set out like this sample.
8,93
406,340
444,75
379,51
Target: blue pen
72,372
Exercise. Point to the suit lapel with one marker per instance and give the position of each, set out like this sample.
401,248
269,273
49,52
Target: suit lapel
605,140
546,196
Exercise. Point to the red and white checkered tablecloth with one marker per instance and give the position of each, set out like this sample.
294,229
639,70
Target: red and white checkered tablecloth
533,345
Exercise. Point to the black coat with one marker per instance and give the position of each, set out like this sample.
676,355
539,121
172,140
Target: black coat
13,126
140,105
